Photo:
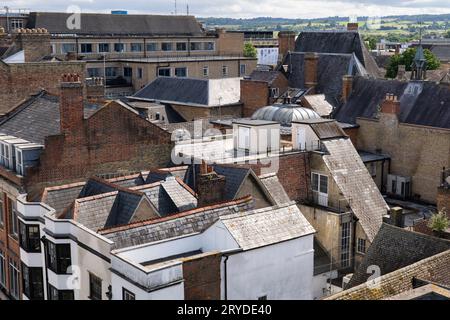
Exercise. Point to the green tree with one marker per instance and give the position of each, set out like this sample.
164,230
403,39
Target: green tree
407,58
447,34
439,222
250,50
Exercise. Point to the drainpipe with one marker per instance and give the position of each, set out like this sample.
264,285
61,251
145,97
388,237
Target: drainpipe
225,276
44,246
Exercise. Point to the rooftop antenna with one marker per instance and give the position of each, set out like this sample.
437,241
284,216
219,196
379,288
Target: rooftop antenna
175,7
187,8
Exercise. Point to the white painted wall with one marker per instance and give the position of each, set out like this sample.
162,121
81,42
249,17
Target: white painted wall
280,271
321,284
310,137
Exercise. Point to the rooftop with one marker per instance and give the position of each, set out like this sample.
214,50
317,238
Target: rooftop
258,228
284,114
198,92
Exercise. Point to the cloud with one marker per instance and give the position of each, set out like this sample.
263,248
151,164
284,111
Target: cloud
247,8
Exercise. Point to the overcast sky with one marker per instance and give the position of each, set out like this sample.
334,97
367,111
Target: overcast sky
245,8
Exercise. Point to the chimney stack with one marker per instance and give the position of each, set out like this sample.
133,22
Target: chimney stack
210,186
286,43
347,86
397,218
34,42
352,26
71,105
391,105
311,62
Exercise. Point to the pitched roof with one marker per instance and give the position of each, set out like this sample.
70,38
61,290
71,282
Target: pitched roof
111,24
187,222
159,198
198,92
331,68
37,118
394,248
275,188
433,269
422,103
356,184
61,197
262,227
319,104
337,42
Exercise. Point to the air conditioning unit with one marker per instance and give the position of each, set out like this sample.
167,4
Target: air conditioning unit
399,186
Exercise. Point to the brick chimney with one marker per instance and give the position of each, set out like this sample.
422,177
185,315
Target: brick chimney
71,105
34,42
397,218
391,105
210,186
352,26
347,86
95,89
311,61
286,43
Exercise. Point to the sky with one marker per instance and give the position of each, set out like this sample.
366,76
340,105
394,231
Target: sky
244,8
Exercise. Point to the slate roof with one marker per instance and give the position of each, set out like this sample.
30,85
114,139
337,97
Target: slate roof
95,186
129,181
331,68
265,76
61,197
421,103
394,248
337,42
433,269
197,92
37,118
234,178
319,104
356,184
196,220
110,24
181,198
327,129
263,227
275,189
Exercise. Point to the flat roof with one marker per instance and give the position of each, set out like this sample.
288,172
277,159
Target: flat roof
251,122
372,157
171,258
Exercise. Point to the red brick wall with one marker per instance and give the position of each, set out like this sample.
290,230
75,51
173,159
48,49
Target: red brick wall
254,95
293,171
353,134
311,61
114,139
19,81
202,277
286,42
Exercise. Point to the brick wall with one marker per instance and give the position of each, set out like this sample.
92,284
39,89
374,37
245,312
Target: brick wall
353,135
443,199
286,42
35,43
311,61
254,95
19,81
202,277
293,171
417,151
114,139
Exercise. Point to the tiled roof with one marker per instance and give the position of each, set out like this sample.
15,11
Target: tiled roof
172,226
159,198
128,181
368,94
93,212
319,104
275,189
356,184
234,178
267,226
182,199
113,24
434,269
95,186
394,248
37,118
61,197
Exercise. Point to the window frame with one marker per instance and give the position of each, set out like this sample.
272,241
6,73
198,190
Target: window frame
181,68
13,219
2,269
135,45
182,44
14,270
2,210
121,45
86,45
57,266
164,68
151,46
59,293
95,286
361,246
27,243
345,250
206,68
169,46
101,50
32,288
127,72
240,69
225,71
126,292
72,45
